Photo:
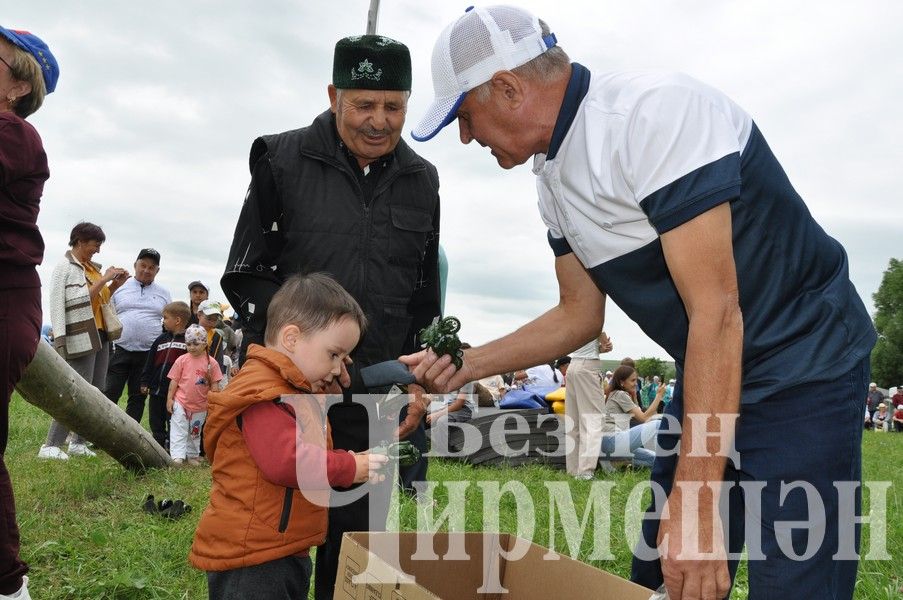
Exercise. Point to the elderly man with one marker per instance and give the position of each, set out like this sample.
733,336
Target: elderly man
874,398
347,196
139,304
662,193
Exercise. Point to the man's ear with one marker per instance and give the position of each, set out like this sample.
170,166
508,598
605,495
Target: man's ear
331,90
509,87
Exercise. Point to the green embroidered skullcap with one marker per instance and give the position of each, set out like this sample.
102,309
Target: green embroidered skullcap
371,62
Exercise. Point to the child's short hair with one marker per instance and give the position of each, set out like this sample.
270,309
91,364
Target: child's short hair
311,302
178,309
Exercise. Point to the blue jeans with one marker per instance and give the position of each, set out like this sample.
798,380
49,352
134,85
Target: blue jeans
631,443
806,436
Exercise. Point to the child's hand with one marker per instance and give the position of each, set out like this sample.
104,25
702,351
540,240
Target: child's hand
169,405
368,467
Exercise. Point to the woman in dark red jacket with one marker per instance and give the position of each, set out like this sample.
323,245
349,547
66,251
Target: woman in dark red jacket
28,71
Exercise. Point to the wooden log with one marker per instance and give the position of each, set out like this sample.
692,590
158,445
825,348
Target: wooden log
53,386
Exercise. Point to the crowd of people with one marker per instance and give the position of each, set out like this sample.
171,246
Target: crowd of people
657,190
884,412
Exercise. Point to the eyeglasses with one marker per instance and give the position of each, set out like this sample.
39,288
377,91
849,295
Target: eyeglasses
8,66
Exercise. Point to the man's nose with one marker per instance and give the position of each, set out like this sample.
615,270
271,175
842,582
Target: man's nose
464,132
378,119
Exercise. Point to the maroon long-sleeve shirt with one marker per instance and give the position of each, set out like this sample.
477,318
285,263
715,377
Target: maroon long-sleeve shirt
273,439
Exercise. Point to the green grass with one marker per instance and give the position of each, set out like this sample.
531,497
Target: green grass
84,534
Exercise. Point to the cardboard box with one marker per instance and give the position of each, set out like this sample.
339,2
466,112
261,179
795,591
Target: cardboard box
465,566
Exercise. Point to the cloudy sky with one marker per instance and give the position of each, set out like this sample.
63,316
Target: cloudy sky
149,130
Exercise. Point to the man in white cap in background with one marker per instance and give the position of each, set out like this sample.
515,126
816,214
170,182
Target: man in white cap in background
662,193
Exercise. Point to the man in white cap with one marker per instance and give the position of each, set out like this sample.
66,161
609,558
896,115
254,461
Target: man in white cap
660,192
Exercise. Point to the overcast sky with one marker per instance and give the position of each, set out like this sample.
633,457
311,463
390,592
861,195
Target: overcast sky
149,129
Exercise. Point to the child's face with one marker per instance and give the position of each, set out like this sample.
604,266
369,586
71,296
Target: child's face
172,323
319,355
206,322
197,349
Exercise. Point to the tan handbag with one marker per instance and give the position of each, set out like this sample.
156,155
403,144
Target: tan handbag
111,323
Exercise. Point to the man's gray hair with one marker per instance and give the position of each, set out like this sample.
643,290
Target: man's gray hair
545,68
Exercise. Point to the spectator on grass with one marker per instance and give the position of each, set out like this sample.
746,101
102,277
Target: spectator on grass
539,377
454,407
619,439
881,418
897,399
168,347
496,386
198,291
28,72
898,419
875,397
78,288
209,315
584,406
139,304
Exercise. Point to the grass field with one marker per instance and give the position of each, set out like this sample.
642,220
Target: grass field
85,536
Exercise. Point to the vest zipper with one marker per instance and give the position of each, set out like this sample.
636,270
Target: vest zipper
286,510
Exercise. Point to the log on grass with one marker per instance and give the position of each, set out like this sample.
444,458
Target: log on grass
53,386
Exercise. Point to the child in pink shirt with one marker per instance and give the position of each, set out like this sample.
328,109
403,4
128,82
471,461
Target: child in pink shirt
191,377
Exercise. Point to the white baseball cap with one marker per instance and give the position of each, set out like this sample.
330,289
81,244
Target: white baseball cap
210,308
479,44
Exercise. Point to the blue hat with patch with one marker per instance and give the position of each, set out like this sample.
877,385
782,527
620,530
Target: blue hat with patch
38,49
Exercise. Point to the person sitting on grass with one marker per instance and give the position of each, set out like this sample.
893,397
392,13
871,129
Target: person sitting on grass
881,418
619,439
898,419
191,376
163,353
270,447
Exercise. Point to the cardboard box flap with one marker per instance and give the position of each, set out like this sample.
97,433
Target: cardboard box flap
467,566
533,576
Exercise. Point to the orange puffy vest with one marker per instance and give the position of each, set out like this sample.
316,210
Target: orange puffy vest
249,520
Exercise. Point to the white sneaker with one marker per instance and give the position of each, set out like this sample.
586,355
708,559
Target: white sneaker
80,450
52,452
584,476
22,594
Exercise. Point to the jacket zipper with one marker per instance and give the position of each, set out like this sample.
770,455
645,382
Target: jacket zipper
383,186
286,510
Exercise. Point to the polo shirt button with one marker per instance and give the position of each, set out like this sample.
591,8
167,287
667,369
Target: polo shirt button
606,225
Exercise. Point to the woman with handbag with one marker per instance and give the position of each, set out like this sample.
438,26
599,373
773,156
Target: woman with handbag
79,302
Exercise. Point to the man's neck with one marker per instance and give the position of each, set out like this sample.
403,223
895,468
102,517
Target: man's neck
552,95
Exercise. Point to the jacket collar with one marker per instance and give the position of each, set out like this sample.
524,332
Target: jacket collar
76,262
281,363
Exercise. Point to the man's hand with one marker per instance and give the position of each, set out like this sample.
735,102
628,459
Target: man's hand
605,343
694,560
144,390
416,409
170,403
437,373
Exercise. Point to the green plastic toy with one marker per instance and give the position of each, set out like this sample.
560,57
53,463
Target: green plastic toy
442,337
404,452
